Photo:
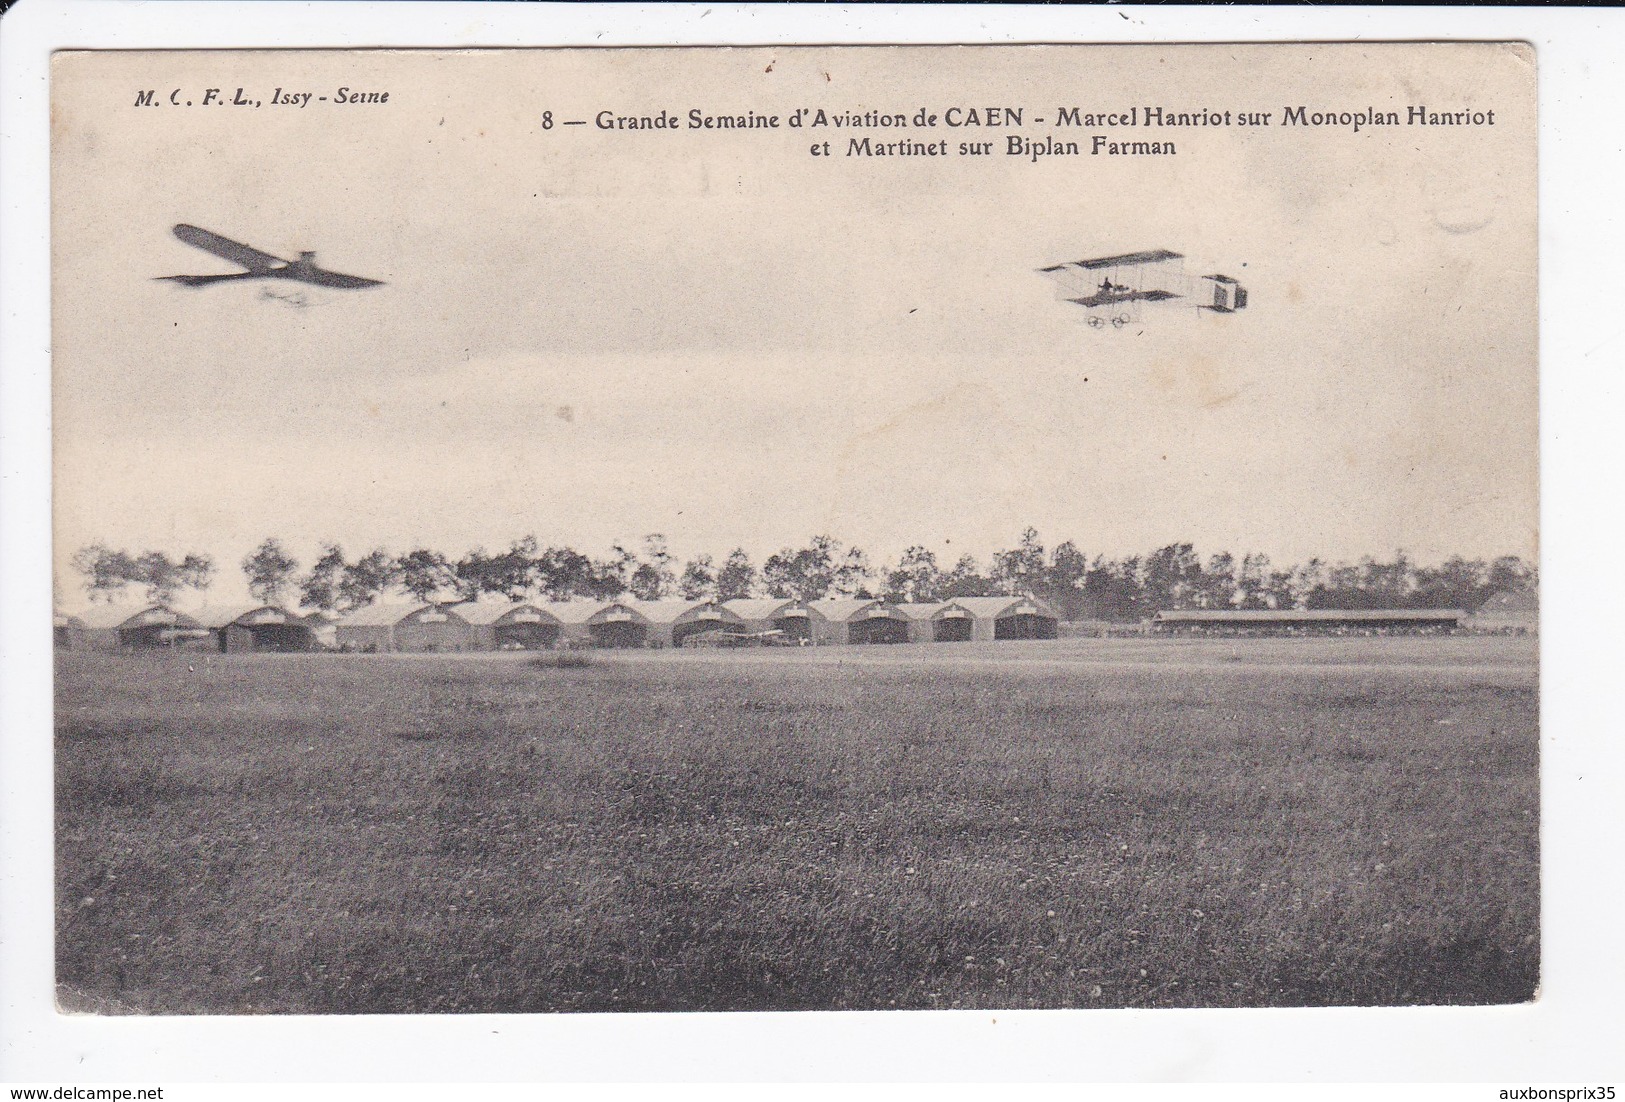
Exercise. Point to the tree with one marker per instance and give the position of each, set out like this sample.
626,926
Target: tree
107,572
1022,570
271,572
659,576
475,574
1454,583
511,574
1281,591
966,580
1252,581
1170,577
699,580
1389,583
1065,580
1218,582
164,579
563,573
323,587
816,571
653,577
852,574
423,573
611,577
1112,590
515,569
916,578
367,578
1510,572
737,578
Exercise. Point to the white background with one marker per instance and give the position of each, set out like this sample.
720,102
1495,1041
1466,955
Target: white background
1565,1037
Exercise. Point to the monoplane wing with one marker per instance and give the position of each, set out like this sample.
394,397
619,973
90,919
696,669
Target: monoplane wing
226,249
325,278
201,280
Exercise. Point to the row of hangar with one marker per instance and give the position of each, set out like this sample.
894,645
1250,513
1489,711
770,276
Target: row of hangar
500,624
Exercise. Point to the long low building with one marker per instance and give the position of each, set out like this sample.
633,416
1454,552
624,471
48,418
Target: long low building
791,618
1508,612
673,622
126,624
406,627
64,628
982,619
935,622
239,628
841,621
601,623
497,623
1314,621
1001,618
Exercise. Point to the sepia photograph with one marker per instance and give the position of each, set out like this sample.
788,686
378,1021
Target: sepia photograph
795,528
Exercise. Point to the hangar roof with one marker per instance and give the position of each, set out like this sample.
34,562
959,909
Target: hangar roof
218,616
103,615
756,608
845,608
664,612
1511,600
992,608
381,614
488,610
580,612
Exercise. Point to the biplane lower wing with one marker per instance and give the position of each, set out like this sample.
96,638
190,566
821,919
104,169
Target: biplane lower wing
1112,298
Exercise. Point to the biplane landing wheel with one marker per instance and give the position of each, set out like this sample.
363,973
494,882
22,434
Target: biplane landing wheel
1119,321
1096,321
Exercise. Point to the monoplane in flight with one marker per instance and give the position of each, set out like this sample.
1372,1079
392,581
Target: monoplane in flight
259,265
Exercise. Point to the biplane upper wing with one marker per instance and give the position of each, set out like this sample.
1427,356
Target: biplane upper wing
1125,260
1150,256
226,249
1111,298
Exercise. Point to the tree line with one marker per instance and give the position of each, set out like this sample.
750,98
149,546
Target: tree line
1125,589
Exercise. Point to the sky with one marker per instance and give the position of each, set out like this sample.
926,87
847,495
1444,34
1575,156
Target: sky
590,335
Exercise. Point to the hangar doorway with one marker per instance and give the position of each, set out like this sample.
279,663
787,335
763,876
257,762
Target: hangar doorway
1024,626
683,632
148,635
526,636
619,634
951,629
280,638
880,629
796,628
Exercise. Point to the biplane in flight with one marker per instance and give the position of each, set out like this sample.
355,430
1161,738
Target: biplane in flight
258,265
1125,281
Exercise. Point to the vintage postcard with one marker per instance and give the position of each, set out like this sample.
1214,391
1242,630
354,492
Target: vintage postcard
581,530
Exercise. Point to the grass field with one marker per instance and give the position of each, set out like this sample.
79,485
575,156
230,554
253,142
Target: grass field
1081,823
